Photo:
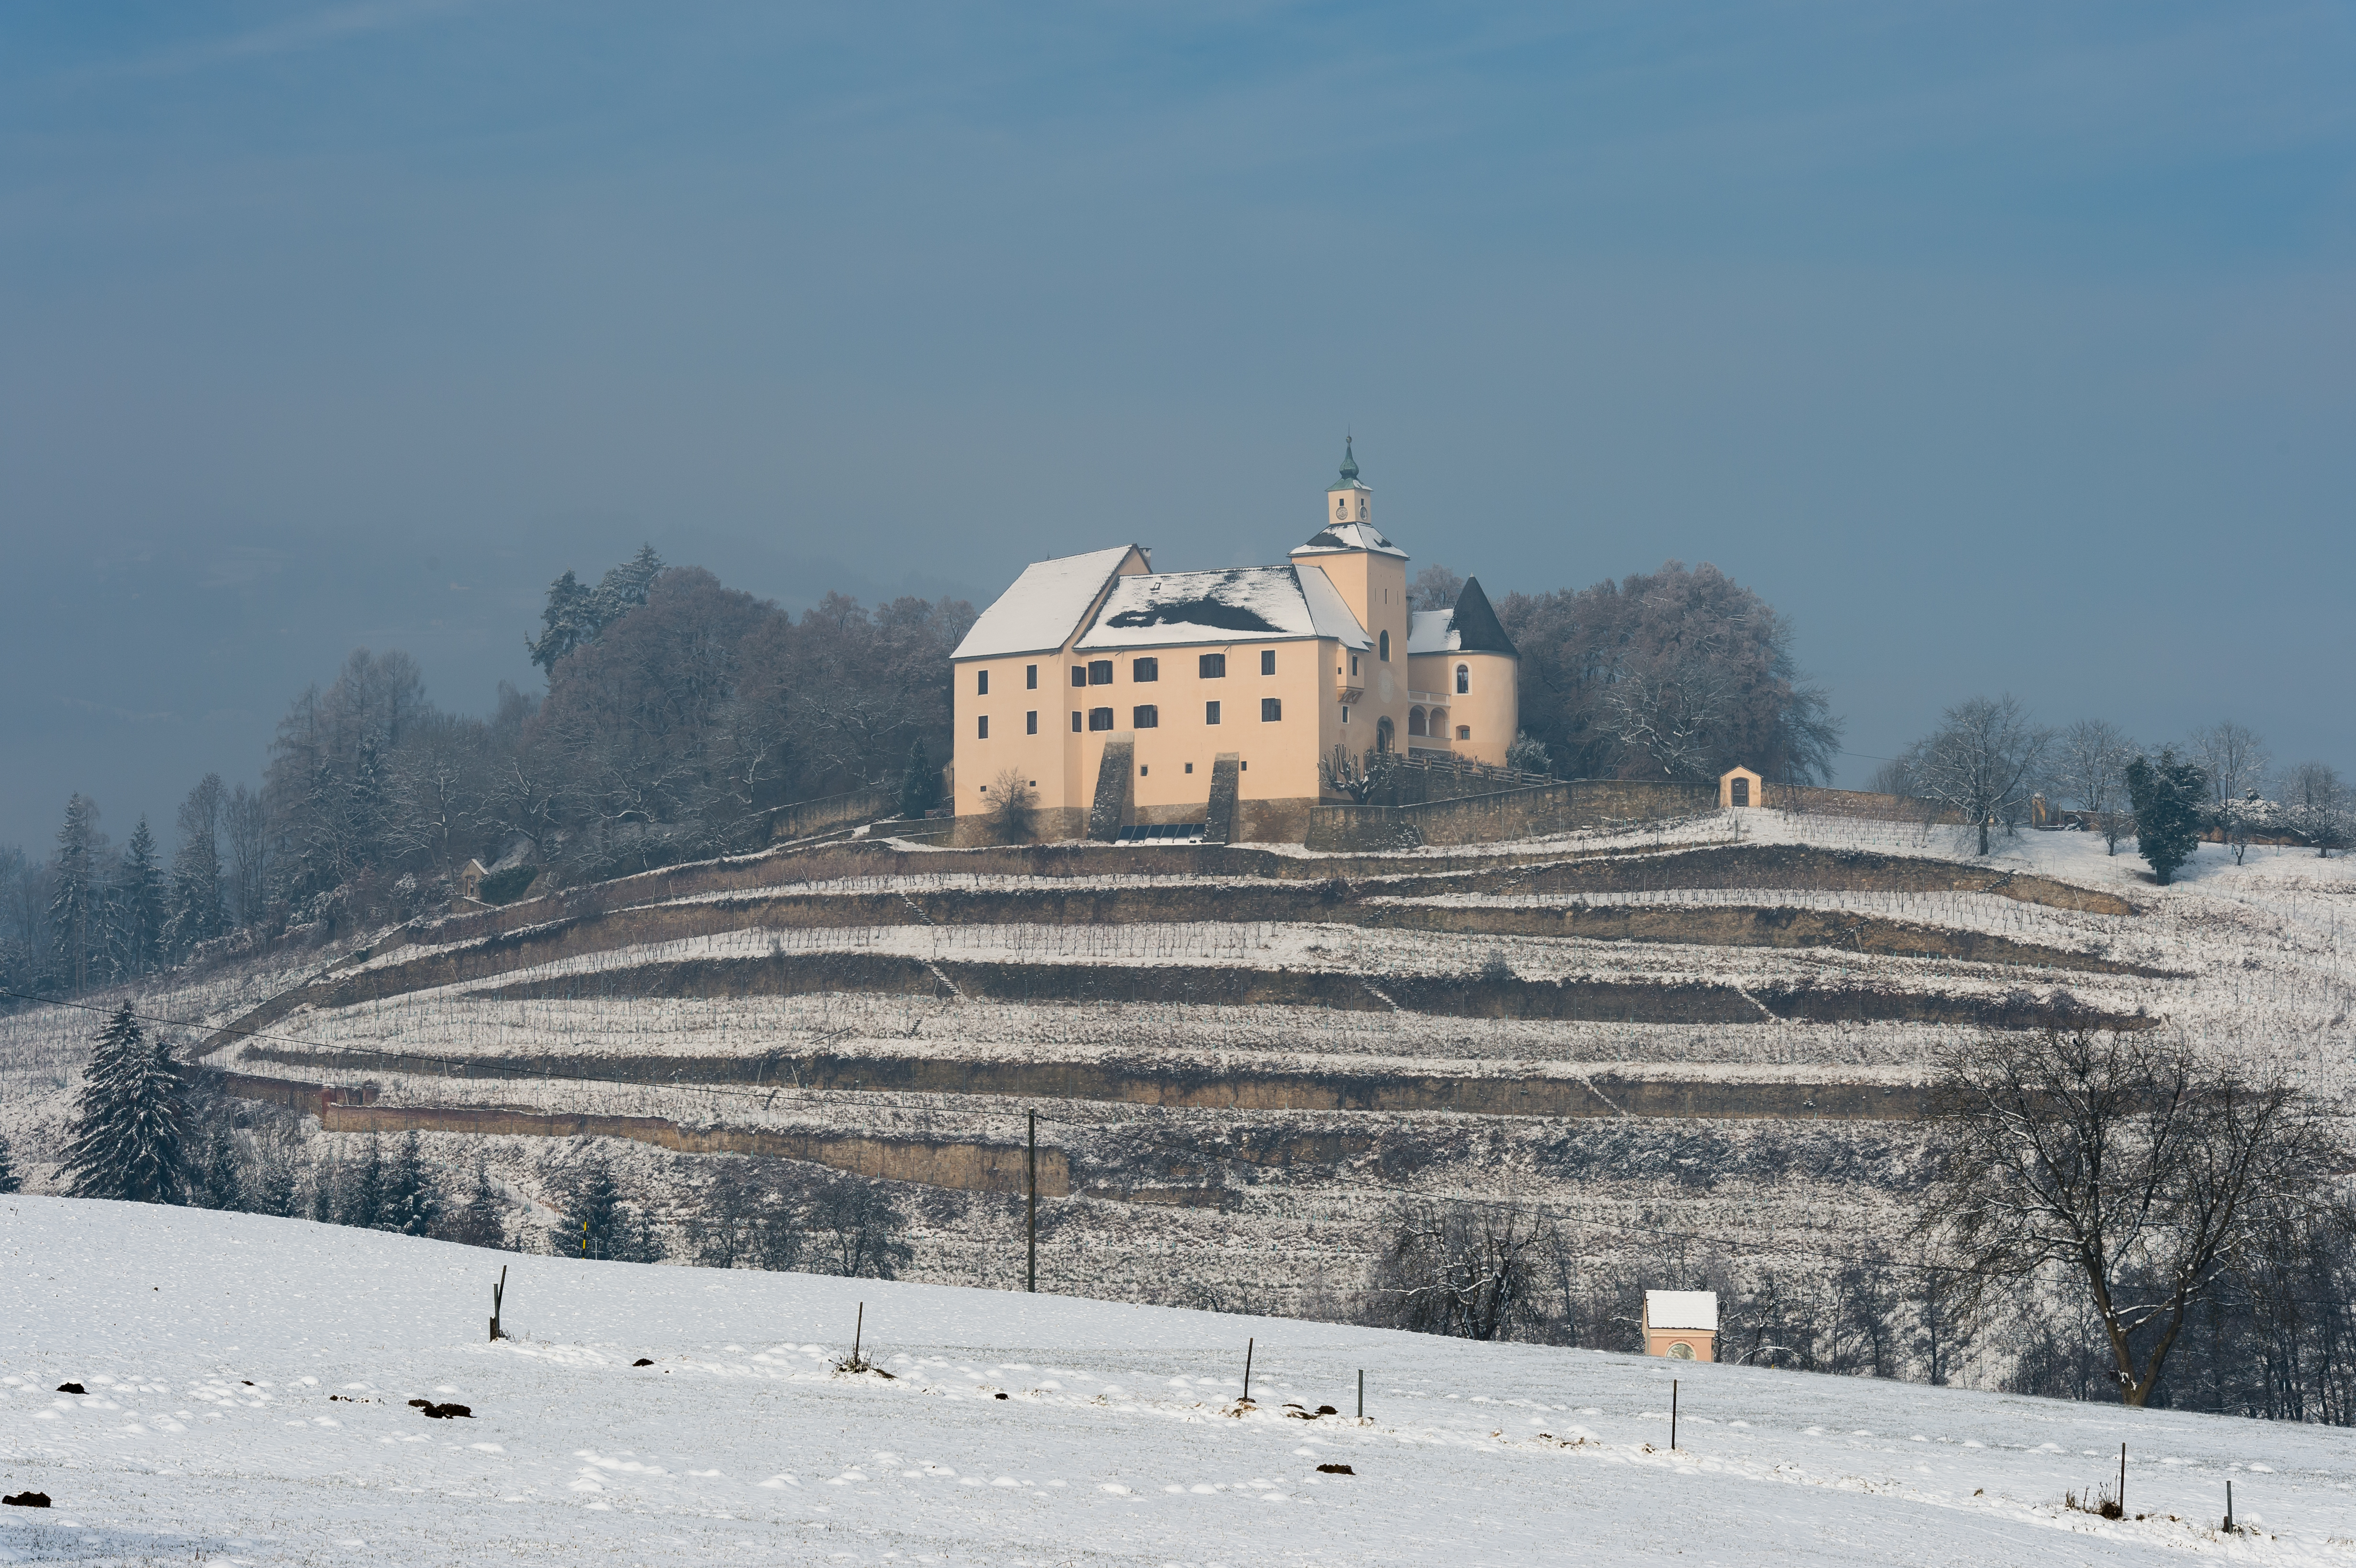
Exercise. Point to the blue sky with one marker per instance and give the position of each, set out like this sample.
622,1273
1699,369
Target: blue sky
2000,347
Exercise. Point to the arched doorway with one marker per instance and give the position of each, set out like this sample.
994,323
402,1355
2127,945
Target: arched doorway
1385,736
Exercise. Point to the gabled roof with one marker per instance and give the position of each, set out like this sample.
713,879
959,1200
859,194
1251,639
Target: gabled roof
1338,536
1044,606
1241,603
1471,627
1687,1310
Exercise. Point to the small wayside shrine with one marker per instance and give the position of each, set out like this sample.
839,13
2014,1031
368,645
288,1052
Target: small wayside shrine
1681,1325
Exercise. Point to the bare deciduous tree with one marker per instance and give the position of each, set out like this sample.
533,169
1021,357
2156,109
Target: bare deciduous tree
1983,763
1477,1271
2234,758
2315,798
2133,1161
2091,766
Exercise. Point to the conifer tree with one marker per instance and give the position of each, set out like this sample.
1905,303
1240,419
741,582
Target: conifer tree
215,1178
359,1196
598,1223
136,929
2167,795
76,893
410,1200
192,903
920,789
130,1121
10,1180
481,1220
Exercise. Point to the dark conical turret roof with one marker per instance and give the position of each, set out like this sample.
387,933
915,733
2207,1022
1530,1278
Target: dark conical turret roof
1477,628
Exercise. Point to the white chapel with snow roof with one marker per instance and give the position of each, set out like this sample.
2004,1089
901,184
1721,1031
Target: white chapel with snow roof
1121,698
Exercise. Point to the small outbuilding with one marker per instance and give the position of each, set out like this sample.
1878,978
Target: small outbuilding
1740,787
1681,1324
468,888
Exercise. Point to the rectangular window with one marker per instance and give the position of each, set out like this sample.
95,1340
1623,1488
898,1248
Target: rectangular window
1145,669
1079,675
1190,767
985,727
981,683
1031,722
1100,672
1353,664
1075,721
1268,661
1145,716
1099,717
1271,709
1030,677
1345,713
1212,666
1144,770
1210,713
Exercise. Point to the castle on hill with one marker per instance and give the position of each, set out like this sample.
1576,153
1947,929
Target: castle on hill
1250,678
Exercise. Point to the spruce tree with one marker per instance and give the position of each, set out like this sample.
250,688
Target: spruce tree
194,912
481,1220
216,1177
920,789
2167,795
410,1201
359,1197
598,1223
137,927
77,892
10,1181
130,1119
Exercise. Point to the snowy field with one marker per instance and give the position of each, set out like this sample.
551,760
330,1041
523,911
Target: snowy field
248,1381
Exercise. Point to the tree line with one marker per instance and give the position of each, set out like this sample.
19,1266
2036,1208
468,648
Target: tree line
1990,761
677,713
148,1129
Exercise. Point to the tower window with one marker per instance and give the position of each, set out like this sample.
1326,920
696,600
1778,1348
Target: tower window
1099,717
1212,666
1100,672
984,734
1353,664
1145,716
1030,677
1268,661
981,685
1145,669
1464,680
1210,713
1387,648
1031,722
1271,709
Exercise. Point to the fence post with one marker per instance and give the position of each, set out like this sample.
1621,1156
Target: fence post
1032,1271
1248,1355
500,1290
1673,1413
1362,1415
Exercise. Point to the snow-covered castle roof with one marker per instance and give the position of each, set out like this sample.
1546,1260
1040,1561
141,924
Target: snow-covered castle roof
1238,604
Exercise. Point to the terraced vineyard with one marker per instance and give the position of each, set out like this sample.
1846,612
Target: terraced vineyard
1711,1035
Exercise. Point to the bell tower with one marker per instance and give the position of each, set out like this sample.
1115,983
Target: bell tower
1348,499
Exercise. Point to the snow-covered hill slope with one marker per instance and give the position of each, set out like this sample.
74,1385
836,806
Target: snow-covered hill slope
248,1383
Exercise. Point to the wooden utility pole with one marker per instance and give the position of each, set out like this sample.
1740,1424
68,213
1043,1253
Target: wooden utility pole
1032,1271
